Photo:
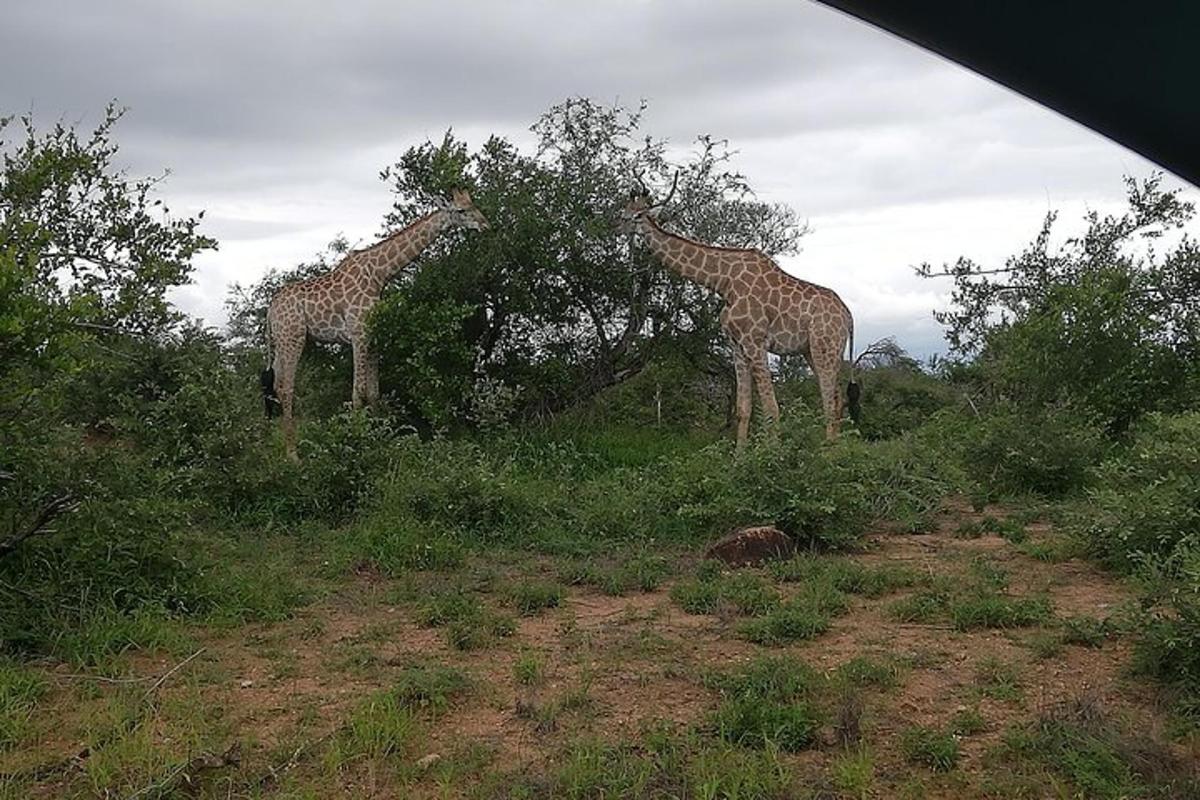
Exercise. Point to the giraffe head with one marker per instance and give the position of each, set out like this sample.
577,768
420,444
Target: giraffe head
634,211
461,212
640,206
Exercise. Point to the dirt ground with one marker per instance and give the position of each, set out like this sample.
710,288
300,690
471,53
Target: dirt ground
262,702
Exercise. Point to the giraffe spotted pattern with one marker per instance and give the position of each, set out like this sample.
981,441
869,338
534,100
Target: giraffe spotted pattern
334,307
765,311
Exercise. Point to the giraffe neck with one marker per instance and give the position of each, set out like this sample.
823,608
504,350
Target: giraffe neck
400,249
704,265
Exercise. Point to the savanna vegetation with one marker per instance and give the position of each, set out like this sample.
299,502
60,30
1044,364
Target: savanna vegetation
490,586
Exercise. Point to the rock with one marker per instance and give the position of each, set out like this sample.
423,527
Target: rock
753,545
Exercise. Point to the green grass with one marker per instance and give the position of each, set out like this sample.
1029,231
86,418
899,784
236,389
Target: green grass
1010,528
528,669
662,763
925,606
468,623
968,722
768,703
380,726
109,632
574,699
696,596
643,572
846,575
533,597
769,678
998,680
1085,631
743,593
1045,644
1096,755
929,747
429,686
990,610
863,671
20,691
791,621
853,773
988,573
1053,550
749,722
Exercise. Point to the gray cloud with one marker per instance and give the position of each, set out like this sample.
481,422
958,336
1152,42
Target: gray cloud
276,116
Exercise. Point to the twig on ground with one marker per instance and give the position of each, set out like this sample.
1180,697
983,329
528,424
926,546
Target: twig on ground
170,672
158,679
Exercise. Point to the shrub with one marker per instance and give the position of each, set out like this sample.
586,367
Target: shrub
1045,450
899,399
1146,501
1144,515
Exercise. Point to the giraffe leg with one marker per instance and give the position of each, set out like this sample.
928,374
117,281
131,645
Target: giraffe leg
741,368
288,347
366,376
766,390
826,366
285,388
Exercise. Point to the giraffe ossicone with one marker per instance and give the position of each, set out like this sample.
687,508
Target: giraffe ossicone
334,307
766,310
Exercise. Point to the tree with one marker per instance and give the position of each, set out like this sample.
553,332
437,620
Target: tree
87,257
555,302
1104,321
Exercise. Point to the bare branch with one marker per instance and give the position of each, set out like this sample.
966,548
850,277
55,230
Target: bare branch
63,504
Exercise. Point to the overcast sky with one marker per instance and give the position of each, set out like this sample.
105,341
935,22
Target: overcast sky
276,117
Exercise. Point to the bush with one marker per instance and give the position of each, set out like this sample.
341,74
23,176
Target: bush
1143,516
1168,639
899,399
1146,500
1048,451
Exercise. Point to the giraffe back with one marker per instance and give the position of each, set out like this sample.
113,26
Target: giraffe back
328,308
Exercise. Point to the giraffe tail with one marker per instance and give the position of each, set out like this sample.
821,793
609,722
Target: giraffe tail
853,390
267,379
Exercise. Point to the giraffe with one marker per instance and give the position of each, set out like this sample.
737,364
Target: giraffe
334,307
765,310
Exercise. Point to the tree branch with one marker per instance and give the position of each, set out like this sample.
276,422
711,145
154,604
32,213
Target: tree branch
64,504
